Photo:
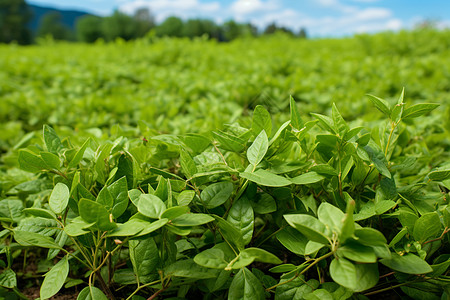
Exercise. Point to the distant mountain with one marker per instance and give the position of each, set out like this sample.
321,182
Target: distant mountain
68,17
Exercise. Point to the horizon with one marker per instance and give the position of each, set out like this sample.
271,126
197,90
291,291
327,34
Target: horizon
320,18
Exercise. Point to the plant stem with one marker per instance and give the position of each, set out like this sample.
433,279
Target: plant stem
156,294
302,272
141,287
387,289
439,238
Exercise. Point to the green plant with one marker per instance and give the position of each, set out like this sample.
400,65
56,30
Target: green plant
341,212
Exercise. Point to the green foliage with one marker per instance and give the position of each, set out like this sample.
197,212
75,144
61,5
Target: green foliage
50,24
88,29
277,203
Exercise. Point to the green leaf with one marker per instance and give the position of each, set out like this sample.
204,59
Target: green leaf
309,226
217,257
28,161
230,232
51,160
263,203
185,197
94,212
324,169
91,293
379,161
216,194
329,140
187,164
52,140
265,178
153,226
59,198
339,122
77,227
296,120
258,149
105,198
307,178
79,155
26,238
192,220
370,237
144,256
284,268
261,121
296,289
187,268
8,279
54,279
358,253
398,236
428,226
367,275
439,174
60,239
325,122
151,206
380,104
348,226
344,273
119,192
249,255
40,212
292,240
10,210
331,216
418,110
408,263
229,142
242,217
245,286
129,228
174,212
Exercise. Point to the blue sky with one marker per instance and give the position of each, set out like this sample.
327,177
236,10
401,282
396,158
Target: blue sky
319,17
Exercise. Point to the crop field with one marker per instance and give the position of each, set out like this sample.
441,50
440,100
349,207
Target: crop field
263,168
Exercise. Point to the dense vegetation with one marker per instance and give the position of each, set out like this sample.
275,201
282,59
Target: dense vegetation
183,168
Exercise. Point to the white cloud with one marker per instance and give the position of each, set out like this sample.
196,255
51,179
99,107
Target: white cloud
245,7
336,5
165,8
365,1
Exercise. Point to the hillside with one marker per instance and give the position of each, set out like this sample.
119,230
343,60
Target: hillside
68,17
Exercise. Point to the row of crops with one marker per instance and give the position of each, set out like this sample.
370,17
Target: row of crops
256,169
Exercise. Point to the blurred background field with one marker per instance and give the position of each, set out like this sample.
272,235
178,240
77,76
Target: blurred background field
181,85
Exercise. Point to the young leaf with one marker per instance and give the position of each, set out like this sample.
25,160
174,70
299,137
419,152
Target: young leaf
331,216
326,123
94,212
119,193
292,240
418,110
59,198
343,272
296,120
427,227
258,149
358,253
8,279
52,140
30,162
265,178
242,217
79,155
249,255
144,256
91,293
380,104
408,263
309,226
261,121
245,286
439,174
339,122
367,275
187,164
54,279
192,220
52,160
151,206
216,194
26,238
217,257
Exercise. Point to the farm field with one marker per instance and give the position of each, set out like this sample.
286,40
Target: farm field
264,168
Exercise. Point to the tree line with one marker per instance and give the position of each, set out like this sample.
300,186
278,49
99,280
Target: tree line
14,16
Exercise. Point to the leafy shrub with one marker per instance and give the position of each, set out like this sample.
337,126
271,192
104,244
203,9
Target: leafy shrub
312,210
